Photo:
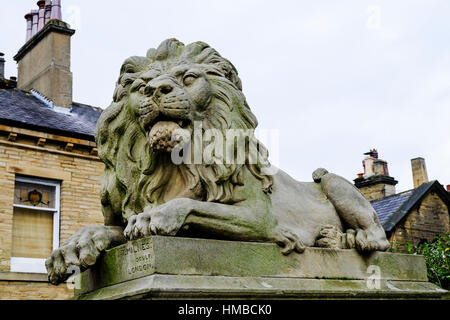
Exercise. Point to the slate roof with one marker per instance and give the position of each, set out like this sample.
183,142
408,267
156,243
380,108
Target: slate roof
22,109
387,206
392,209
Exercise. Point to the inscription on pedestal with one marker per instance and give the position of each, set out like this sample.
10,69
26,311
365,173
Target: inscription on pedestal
132,260
138,256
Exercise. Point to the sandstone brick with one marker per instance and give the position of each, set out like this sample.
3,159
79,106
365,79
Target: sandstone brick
423,223
80,206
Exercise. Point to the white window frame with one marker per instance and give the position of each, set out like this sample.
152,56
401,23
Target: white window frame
33,265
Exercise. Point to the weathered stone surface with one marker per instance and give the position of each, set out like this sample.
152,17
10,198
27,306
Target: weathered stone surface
218,287
232,193
176,266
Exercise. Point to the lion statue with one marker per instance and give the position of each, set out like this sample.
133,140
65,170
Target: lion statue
145,192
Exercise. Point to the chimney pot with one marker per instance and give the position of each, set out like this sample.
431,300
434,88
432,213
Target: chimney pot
56,10
34,28
448,187
29,18
41,4
41,21
48,10
374,153
2,66
419,172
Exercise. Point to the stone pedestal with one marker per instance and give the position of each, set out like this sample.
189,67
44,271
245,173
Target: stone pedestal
183,268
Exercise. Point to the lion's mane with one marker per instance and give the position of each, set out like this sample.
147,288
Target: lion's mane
135,175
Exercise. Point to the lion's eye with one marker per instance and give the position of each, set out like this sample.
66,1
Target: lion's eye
189,79
138,85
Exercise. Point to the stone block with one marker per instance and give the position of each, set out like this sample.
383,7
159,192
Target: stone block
161,267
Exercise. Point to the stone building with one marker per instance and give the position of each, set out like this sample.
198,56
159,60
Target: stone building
49,168
414,216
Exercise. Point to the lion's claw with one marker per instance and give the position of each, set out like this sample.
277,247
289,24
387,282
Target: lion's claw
288,240
81,251
164,220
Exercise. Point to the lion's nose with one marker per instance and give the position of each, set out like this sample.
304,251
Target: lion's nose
158,90
165,88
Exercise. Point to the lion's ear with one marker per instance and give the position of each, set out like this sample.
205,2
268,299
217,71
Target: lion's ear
193,50
169,49
229,71
134,64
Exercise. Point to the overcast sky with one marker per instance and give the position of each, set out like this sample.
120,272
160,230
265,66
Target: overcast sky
336,78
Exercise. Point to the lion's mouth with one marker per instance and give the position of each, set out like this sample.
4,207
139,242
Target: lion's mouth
165,133
182,123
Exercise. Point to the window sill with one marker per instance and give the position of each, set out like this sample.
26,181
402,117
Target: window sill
24,277
28,265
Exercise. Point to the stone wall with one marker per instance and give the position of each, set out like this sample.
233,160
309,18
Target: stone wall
425,222
80,176
19,290
377,191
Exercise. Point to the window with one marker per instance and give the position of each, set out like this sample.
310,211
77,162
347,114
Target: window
35,223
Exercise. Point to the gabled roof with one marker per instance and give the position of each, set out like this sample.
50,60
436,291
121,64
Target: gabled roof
23,109
387,206
391,210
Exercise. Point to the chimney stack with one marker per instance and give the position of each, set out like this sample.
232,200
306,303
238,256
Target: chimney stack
44,60
48,10
375,183
2,65
41,20
56,10
419,171
34,28
448,188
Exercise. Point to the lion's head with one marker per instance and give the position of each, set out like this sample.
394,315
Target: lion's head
171,88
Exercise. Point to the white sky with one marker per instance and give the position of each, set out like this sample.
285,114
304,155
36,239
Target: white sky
336,78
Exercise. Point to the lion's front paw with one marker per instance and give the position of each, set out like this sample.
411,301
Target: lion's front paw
164,220
81,251
138,226
288,240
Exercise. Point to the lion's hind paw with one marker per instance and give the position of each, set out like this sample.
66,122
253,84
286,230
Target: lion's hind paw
371,239
332,238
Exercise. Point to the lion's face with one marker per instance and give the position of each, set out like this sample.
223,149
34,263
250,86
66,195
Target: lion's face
165,101
169,90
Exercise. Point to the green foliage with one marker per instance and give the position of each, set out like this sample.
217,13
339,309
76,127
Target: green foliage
437,258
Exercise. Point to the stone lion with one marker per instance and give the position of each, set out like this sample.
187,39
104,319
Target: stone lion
145,193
